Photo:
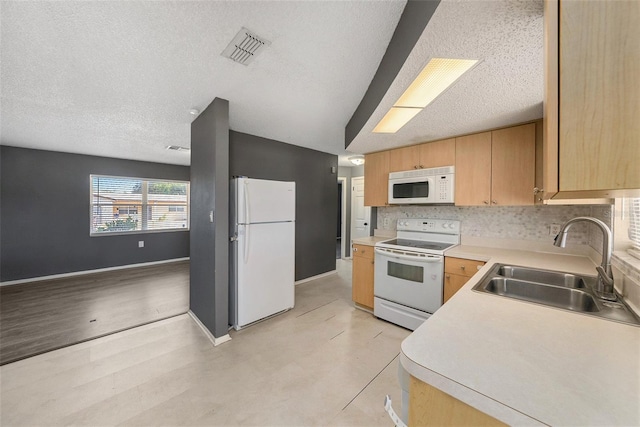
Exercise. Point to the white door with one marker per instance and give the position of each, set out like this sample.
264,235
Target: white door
261,200
266,270
360,214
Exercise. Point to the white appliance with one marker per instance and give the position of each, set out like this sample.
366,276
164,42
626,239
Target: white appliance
263,249
409,270
422,186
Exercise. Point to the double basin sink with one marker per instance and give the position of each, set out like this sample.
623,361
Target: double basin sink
555,289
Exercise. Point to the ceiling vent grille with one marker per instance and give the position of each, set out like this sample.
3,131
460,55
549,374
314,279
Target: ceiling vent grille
178,148
244,47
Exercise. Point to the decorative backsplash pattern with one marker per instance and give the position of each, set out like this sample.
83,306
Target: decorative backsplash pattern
513,222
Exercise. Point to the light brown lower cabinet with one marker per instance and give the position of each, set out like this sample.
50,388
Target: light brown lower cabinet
457,272
362,276
429,406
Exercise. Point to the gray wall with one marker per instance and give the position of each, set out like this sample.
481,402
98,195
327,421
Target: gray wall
414,19
45,202
209,269
316,193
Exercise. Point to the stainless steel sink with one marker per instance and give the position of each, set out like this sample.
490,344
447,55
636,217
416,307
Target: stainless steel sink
556,289
542,276
570,299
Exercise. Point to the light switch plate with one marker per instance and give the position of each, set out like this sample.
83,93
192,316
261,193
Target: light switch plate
141,243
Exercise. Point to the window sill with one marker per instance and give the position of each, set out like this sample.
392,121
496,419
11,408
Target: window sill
127,233
627,264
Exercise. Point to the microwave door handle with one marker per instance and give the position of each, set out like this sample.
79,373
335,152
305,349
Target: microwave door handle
436,258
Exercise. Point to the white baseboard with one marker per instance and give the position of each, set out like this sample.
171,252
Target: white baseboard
215,341
98,270
308,279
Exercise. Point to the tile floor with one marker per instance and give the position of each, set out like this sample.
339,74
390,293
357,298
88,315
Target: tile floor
322,363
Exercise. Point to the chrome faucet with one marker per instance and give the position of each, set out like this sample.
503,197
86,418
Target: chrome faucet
604,287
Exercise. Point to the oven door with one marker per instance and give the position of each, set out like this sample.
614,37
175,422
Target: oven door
409,278
417,189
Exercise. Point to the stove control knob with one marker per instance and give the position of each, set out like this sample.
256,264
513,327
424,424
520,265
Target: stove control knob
445,225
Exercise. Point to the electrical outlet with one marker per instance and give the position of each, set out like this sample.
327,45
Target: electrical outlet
554,229
385,222
141,243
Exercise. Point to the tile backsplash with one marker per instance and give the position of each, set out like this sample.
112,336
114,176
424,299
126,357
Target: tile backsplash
513,222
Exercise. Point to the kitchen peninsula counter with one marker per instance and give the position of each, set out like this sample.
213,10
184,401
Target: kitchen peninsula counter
528,364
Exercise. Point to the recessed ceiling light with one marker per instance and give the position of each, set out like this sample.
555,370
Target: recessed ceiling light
438,75
395,119
435,78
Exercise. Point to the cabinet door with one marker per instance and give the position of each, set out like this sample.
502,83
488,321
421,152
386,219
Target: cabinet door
513,158
473,170
404,159
429,406
549,166
461,266
376,179
438,153
362,280
452,284
600,97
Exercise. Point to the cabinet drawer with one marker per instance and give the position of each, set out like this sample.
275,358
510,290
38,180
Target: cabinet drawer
364,251
463,267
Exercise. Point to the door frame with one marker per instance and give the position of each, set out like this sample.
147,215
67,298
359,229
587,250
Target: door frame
368,208
343,217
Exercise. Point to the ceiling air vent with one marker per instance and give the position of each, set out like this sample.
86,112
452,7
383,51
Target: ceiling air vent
178,148
244,47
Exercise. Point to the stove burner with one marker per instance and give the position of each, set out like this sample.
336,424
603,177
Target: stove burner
419,244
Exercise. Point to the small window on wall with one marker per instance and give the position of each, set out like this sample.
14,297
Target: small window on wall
634,226
132,205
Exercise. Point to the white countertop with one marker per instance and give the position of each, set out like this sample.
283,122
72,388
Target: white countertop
369,240
527,364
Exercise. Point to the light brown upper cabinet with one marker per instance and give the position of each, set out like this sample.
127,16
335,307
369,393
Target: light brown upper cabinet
376,179
592,99
428,155
496,168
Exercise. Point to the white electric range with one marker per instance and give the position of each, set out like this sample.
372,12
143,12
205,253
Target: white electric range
409,270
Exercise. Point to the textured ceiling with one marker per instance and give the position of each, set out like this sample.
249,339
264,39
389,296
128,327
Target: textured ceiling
505,88
118,78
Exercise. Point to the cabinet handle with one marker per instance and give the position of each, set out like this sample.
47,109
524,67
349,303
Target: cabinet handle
486,202
355,249
494,202
415,167
462,267
537,190
421,167
447,277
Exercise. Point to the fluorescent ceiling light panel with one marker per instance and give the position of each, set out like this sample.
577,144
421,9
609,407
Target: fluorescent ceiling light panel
395,119
435,78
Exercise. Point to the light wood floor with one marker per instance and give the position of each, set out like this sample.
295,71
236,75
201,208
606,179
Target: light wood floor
41,316
322,363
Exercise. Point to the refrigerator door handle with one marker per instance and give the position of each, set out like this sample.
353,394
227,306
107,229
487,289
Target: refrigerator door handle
246,203
246,243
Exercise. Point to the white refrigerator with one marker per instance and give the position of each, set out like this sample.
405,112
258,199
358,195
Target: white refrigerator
263,249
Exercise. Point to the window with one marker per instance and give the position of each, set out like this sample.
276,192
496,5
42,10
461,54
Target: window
634,225
134,205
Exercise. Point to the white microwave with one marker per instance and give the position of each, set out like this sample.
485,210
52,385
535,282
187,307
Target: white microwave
422,186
